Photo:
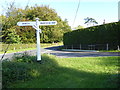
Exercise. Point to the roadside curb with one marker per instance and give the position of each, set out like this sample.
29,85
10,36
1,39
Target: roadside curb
76,50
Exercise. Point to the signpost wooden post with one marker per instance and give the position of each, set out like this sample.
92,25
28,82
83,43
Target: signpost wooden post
36,25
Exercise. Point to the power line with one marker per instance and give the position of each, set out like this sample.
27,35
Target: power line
76,12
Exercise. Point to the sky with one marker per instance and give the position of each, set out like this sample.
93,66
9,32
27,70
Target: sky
66,9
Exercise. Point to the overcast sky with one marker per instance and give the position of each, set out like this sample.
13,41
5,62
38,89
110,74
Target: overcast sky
66,9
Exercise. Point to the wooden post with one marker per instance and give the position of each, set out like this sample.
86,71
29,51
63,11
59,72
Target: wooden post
14,48
80,46
72,46
107,47
118,47
66,46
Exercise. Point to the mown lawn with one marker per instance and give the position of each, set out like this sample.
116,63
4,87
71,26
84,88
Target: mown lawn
83,72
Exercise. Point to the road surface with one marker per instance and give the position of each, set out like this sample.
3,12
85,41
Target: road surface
64,54
29,52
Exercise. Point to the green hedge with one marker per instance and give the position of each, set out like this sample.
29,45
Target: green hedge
102,34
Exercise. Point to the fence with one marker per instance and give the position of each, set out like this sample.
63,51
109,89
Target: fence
16,46
93,47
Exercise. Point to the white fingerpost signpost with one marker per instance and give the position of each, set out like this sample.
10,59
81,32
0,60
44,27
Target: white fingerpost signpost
36,25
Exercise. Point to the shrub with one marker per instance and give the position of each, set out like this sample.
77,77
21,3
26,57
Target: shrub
14,71
24,57
20,67
23,68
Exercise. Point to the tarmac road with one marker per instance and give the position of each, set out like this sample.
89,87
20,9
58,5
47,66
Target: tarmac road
68,54
29,52
64,54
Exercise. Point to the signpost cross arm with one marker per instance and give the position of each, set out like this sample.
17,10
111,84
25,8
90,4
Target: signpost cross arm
38,31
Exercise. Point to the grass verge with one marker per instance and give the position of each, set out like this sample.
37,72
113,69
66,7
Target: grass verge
109,50
84,72
43,45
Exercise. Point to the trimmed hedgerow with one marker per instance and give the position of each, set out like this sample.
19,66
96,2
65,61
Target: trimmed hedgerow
102,34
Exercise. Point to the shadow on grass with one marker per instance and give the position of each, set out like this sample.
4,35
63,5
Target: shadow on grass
50,74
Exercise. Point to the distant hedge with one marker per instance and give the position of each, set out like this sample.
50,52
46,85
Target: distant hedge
102,34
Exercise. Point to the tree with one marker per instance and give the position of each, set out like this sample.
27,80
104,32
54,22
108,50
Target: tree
45,13
27,34
11,36
12,16
90,21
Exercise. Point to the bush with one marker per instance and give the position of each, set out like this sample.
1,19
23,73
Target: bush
24,57
14,71
24,67
19,68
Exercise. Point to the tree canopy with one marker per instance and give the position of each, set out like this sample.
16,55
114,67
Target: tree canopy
90,21
27,34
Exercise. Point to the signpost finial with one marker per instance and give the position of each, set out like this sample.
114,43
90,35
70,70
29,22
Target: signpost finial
37,18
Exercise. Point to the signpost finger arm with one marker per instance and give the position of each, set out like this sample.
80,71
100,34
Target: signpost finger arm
35,25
